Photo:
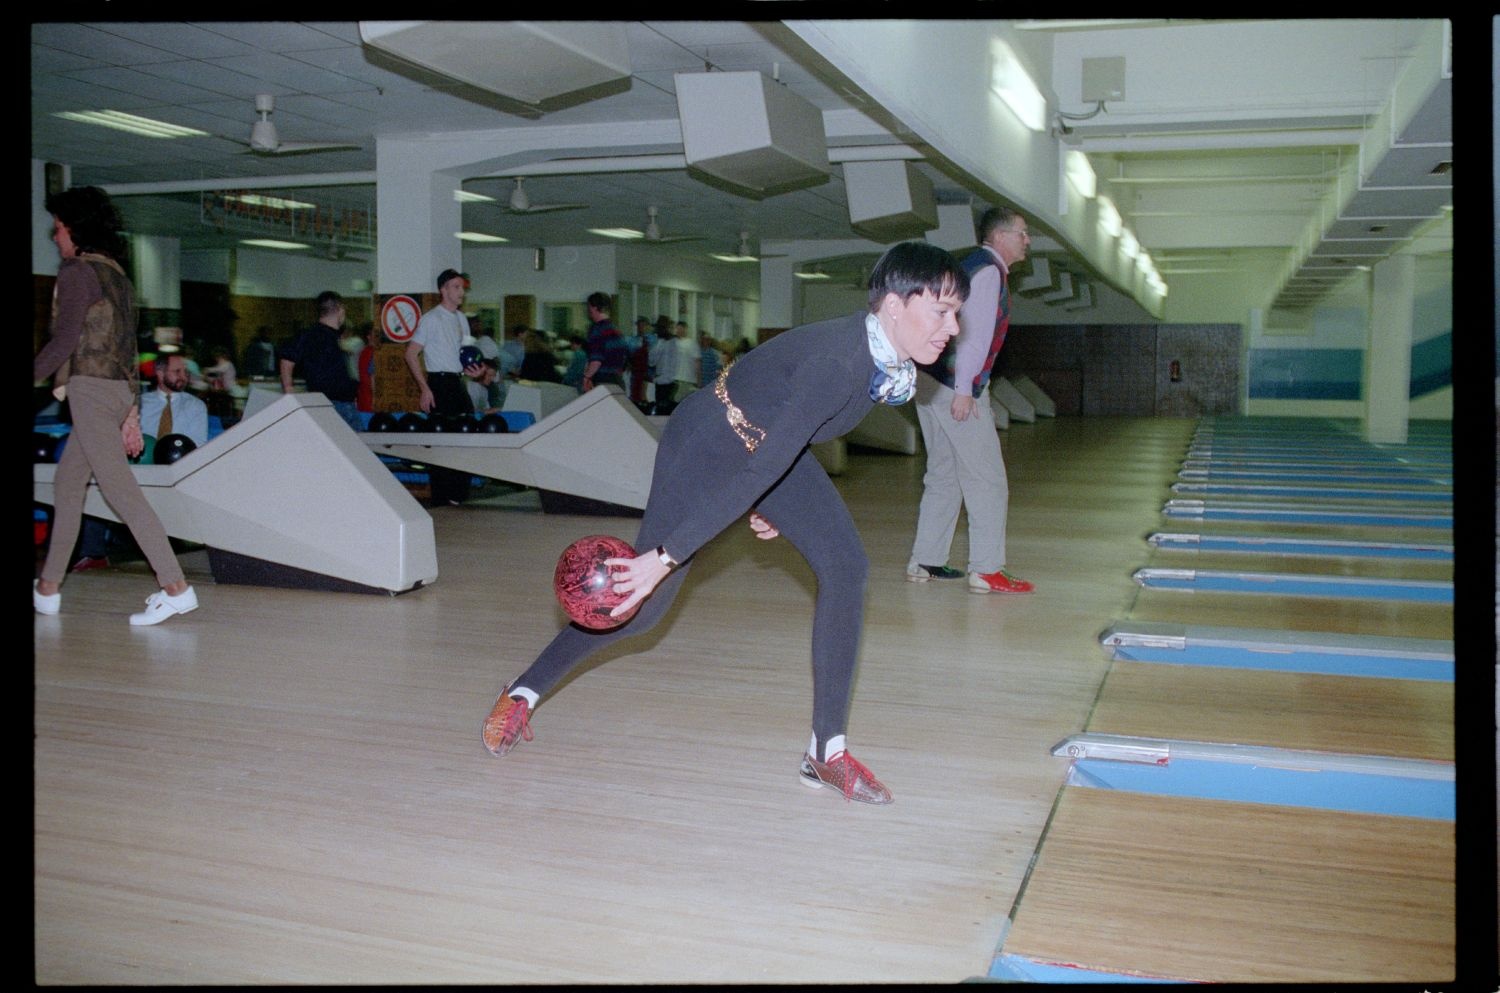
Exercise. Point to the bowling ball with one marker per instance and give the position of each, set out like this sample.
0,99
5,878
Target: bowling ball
171,447
493,424
43,447
464,424
381,422
584,585
469,355
148,452
439,423
411,422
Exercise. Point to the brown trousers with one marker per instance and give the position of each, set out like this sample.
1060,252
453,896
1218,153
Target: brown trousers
95,450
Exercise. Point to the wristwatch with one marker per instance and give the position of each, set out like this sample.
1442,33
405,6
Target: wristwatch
666,560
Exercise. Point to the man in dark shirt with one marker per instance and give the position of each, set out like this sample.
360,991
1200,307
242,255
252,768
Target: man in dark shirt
324,366
607,351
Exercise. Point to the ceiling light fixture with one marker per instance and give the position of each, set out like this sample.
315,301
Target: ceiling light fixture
120,121
464,196
477,236
622,233
272,243
276,203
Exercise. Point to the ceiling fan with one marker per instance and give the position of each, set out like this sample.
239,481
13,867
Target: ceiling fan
520,203
743,252
265,141
653,231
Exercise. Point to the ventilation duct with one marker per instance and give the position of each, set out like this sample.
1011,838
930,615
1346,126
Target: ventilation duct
529,61
889,201
756,136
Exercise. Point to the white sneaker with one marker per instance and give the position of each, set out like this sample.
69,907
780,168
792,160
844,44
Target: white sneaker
161,605
45,604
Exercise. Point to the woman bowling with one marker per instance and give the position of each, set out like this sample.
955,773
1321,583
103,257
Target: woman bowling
92,352
741,447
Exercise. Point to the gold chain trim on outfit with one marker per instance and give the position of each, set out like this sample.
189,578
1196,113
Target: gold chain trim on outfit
751,435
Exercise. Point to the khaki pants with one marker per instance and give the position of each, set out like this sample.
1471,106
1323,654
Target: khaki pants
964,468
94,450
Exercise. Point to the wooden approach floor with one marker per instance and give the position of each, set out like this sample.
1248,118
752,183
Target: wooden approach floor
1181,888
288,787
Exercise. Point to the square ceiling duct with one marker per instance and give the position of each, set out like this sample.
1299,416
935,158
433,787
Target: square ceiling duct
754,135
529,61
889,201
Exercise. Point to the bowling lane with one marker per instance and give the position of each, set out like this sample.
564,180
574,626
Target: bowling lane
1141,886
1405,718
1387,618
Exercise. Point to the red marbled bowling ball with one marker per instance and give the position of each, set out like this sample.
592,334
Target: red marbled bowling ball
584,585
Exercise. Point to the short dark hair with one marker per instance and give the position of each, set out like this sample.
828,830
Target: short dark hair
92,220
328,302
446,275
994,218
913,267
599,301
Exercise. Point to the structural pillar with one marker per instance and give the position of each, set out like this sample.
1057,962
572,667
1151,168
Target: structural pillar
1387,393
419,218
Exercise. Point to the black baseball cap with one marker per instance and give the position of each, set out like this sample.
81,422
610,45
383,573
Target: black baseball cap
446,275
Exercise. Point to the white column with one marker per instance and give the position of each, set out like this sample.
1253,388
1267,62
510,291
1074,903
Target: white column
1387,392
777,299
419,218
43,253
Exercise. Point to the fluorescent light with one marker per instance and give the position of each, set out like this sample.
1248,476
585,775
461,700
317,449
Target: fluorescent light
464,196
1011,83
131,123
1129,247
476,236
1081,174
279,203
733,258
271,243
812,275
618,232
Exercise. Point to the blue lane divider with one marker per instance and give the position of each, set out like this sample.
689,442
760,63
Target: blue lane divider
1326,476
1019,969
1313,652
1286,545
1292,584
1317,492
1281,513
1367,784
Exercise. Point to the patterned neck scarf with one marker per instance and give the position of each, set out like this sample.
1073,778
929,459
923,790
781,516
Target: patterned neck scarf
894,380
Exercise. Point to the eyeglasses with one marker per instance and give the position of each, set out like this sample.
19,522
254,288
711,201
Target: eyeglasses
1020,231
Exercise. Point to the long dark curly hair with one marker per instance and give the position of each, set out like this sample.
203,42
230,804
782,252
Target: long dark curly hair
92,220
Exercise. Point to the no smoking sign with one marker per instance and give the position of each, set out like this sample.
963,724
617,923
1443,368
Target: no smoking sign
399,316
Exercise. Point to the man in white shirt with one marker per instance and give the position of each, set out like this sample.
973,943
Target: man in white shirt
432,357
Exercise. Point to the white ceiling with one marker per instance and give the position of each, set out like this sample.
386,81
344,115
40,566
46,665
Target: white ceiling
1204,185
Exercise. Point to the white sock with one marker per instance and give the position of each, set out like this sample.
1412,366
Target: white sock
835,745
523,693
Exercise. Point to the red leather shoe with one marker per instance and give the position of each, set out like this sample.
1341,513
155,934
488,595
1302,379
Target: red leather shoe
997,582
508,722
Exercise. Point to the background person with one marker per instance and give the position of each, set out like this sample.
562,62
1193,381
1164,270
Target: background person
91,357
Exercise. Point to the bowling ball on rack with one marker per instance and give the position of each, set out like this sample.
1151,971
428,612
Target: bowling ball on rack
464,424
469,355
584,585
381,422
171,447
493,424
439,423
412,421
